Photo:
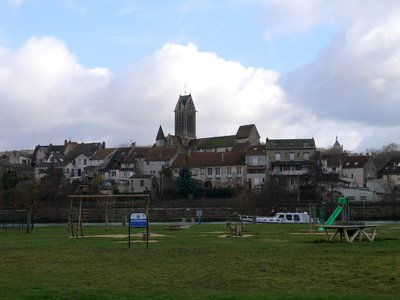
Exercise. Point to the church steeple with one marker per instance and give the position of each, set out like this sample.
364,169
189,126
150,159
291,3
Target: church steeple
160,139
185,118
337,147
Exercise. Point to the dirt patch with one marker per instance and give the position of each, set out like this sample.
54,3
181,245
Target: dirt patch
123,236
137,241
234,236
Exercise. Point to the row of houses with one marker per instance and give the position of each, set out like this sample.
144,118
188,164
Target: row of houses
247,163
234,160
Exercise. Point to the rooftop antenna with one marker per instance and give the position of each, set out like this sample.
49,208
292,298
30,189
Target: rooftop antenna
185,89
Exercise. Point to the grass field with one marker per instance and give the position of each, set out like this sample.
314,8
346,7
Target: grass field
273,262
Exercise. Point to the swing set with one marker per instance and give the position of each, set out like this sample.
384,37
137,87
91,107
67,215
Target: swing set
112,207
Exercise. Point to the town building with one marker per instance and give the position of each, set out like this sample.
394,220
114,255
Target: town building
357,170
290,161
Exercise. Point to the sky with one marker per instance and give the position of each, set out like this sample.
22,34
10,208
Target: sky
113,70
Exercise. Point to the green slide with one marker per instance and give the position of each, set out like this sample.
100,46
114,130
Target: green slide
334,215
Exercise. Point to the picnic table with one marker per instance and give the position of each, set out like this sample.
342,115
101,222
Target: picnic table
350,232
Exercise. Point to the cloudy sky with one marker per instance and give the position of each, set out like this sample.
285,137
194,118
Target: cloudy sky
112,70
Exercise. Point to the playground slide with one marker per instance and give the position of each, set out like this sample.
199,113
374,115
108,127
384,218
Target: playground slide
334,215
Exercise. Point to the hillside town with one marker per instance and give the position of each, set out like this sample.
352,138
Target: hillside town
240,160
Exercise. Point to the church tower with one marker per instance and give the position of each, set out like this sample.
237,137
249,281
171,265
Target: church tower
185,119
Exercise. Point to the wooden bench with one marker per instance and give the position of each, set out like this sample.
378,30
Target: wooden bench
173,227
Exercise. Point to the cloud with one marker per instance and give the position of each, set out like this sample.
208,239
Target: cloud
43,87
47,96
353,86
357,78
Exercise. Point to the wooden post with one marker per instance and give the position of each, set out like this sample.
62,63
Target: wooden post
80,217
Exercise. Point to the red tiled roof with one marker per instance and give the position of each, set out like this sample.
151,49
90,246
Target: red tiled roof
151,153
256,150
102,153
209,159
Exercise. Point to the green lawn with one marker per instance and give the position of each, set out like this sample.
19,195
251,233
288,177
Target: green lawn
275,261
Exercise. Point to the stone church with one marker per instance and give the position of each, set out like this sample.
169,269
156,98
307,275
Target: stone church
185,132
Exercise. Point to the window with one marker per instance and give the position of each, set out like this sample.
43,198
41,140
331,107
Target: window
306,156
296,217
352,197
209,172
363,197
291,156
202,171
292,181
239,171
141,182
79,161
218,172
84,161
229,172
289,217
254,161
277,156
79,172
113,173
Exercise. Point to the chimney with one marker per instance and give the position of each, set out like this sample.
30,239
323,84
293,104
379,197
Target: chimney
222,156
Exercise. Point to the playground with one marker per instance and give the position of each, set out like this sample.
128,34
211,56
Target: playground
266,262
339,224
194,260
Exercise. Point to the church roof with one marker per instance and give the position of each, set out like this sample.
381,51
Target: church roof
160,134
244,131
336,144
185,101
213,142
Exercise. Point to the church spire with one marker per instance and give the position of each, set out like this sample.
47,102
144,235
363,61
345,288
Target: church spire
185,118
160,139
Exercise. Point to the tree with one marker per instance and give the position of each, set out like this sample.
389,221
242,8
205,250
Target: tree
95,184
186,183
165,179
9,179
50,184
26,195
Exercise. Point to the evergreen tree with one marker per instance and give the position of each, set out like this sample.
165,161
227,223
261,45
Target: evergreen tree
185,182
